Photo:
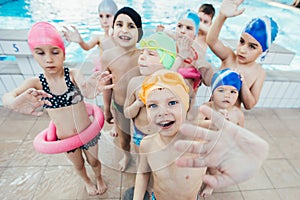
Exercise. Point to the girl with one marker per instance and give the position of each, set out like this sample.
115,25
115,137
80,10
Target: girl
61,92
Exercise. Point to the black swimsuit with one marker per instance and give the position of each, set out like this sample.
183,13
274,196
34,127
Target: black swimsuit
70,97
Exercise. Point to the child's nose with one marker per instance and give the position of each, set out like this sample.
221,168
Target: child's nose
49,58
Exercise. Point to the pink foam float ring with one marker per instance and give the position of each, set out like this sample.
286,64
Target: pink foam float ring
46,141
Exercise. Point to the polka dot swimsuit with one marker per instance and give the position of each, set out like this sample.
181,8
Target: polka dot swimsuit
70,97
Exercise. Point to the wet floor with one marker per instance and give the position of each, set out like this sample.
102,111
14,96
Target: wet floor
27,174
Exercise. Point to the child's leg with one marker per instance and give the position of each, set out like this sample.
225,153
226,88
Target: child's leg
78,162
124,140
92,159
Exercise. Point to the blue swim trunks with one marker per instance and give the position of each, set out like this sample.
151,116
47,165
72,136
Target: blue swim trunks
137,136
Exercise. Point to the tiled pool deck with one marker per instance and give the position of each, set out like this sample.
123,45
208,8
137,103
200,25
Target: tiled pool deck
26,174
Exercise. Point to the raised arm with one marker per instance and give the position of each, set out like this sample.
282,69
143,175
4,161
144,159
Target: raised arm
229,8
74,36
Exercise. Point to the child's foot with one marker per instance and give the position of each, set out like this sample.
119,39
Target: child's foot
123,164
113,133
91,189
101,186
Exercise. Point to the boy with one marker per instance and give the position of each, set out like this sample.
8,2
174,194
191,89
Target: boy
158,52
165,95
254,41
122,61
225,86
106,11
206,13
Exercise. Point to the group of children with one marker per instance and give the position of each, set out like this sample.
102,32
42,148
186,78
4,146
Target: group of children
148,92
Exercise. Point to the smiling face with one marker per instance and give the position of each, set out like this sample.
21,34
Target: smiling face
225,96
248,49
185,27
166,111
125,31
106,20
149,62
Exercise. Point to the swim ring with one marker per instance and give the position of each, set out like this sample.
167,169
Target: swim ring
191,73
46,141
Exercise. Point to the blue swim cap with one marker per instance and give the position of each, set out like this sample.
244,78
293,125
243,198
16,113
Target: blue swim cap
264,30
108,6
226,77
191,15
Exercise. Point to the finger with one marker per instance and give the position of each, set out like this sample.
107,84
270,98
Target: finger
195,147
218,180
197,132
194,162
37,113
217,119
107,87
74,27
239,12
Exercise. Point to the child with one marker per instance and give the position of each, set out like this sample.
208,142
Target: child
225,85
122,62
206,13
61,92
254,41
158,52
190,61
106,11
166,97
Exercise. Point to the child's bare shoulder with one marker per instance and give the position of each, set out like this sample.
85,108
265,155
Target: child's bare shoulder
147,143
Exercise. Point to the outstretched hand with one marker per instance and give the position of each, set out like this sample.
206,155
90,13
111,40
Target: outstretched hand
96,83
29,101
229,8
72,36
234,151
184,45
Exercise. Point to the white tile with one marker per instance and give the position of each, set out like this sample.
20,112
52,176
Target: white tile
283,86
2,87
274,89
24,66
284,103
274,103
34,65
18,79
267,102
296,92
8,82
291,89
202,90
265,89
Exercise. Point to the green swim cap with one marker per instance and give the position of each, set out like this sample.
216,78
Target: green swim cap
165,47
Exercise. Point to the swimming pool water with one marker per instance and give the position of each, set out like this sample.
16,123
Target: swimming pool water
21,14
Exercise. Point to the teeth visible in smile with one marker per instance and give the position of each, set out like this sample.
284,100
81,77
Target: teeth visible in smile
166,123
124,37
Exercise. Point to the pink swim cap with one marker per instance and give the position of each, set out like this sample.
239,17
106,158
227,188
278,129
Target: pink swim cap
43,33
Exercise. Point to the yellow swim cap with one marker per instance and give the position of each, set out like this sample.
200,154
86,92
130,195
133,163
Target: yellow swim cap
166,79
